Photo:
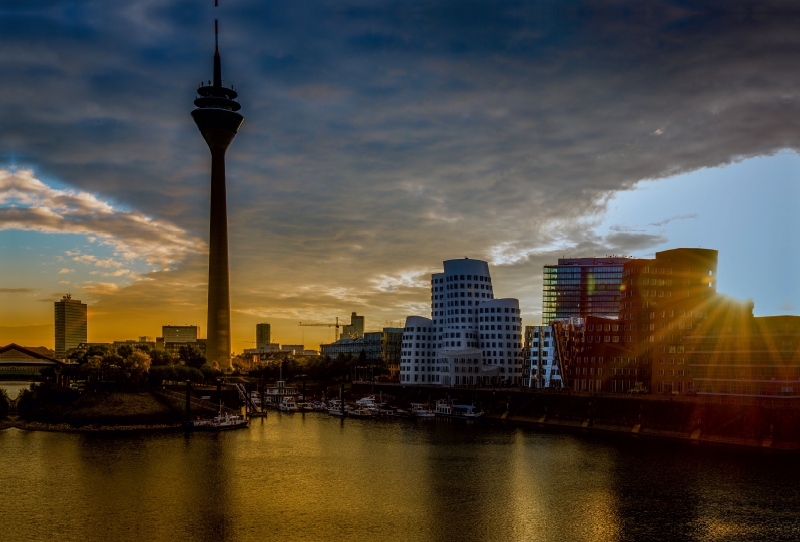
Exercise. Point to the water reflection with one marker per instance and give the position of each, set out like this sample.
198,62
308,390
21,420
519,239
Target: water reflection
312,477
14,387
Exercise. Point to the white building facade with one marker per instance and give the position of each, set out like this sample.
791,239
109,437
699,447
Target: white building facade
475,338
418,351
541,365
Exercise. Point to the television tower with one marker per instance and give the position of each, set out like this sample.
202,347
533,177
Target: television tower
217,118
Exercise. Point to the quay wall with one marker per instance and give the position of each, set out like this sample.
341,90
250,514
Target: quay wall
769,424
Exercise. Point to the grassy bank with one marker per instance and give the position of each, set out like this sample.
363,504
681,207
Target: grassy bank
57,407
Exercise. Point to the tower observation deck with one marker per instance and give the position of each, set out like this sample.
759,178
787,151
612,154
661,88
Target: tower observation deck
218,120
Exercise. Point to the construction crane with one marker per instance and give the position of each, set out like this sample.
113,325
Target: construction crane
336,325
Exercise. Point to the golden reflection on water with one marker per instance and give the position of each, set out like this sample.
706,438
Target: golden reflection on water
314,477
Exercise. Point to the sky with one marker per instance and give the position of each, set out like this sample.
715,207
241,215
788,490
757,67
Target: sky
381,138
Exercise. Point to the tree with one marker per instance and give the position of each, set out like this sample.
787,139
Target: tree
159,358
192,356
5,404
124,350
135,366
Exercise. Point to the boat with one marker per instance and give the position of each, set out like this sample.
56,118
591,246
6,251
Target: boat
221,422
304,407
288,405
362,413
335,408
445,409
318,406
422,410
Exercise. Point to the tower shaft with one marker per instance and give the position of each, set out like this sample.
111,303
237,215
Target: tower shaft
218,343
217,119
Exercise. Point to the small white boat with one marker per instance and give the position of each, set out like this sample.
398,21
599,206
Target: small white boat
362,413
446,409
422,410
219,423
288,404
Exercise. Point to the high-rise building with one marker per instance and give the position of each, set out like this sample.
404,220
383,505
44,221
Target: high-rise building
217,119
179,334
262,335
669,309
663,299
582,287
472,338
71,319
355,329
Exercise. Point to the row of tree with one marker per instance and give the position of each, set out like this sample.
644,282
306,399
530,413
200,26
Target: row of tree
139,366
323,368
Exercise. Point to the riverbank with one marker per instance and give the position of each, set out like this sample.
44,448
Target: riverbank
769,425
25,425
104,411
637,431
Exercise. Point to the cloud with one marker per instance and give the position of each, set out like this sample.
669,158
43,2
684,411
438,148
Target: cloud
629,243
380,139
118,273
100,288
16,290
668,220
26,203
65,270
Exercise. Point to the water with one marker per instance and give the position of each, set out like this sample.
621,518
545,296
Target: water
13,388
312,477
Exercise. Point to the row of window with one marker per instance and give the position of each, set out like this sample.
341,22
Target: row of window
453,278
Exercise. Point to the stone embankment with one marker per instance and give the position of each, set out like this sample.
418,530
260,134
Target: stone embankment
771,424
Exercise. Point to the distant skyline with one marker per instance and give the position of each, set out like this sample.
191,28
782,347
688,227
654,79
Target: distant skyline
379,141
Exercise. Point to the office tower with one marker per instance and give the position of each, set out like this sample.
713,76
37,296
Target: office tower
355,330
582,287
664,301
71,324
218,121
262,335
463,344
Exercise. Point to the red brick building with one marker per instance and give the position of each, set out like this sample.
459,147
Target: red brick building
604,363
666,299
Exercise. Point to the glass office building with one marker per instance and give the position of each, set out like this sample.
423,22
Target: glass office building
582,287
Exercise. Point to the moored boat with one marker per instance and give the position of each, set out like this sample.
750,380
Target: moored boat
288,404
219,423
422,410
362,413
446,409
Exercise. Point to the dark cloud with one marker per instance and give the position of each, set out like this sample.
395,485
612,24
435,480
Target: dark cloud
16,290
381,138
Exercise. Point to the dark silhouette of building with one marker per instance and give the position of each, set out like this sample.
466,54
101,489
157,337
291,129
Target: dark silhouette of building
263,334
217,118
70,324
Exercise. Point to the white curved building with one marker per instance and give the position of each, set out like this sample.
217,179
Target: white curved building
418,351
465,317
